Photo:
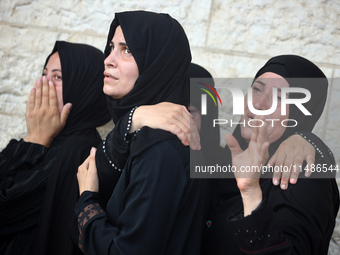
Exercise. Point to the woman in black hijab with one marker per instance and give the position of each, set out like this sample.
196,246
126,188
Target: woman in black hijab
210,136
155,207
38,186
299,220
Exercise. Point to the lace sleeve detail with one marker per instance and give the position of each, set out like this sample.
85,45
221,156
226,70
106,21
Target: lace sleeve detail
86,215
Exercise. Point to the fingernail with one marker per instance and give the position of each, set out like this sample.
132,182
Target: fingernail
93,150
283,186
276,182
307,174
292,180
44,78
50,83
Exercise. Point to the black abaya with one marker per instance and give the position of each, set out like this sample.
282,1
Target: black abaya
38,185
299,220
155,207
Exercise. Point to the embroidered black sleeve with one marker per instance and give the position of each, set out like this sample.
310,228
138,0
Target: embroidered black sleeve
85,216
128,136
323,153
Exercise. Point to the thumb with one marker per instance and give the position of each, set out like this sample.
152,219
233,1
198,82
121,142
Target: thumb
233,145
93,152
92,157
65,113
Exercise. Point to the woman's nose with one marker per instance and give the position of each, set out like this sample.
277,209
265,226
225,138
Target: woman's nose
262,102
111,60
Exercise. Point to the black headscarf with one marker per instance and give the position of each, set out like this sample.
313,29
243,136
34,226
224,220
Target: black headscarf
210,136
82,74
299,72
40,188
161,50
82,68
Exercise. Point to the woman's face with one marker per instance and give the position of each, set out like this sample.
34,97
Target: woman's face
52,71
262,91
121,70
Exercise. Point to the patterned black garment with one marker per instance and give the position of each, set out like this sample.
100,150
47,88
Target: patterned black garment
299,220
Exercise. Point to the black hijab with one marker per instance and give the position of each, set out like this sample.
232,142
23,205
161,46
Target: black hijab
161,50
41,189
210,136
82,71
299,72
82,75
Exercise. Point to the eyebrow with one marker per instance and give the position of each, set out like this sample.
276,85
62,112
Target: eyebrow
263,84
121,43
53,70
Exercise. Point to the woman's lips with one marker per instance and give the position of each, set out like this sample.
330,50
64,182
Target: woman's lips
109,76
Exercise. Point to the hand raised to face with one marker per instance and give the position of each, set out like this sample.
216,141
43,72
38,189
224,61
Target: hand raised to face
248,165
43,119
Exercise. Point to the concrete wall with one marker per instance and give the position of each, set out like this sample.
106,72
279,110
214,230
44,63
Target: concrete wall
231,38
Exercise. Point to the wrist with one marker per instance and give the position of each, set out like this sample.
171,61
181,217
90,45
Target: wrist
38,140
136,120
251,199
